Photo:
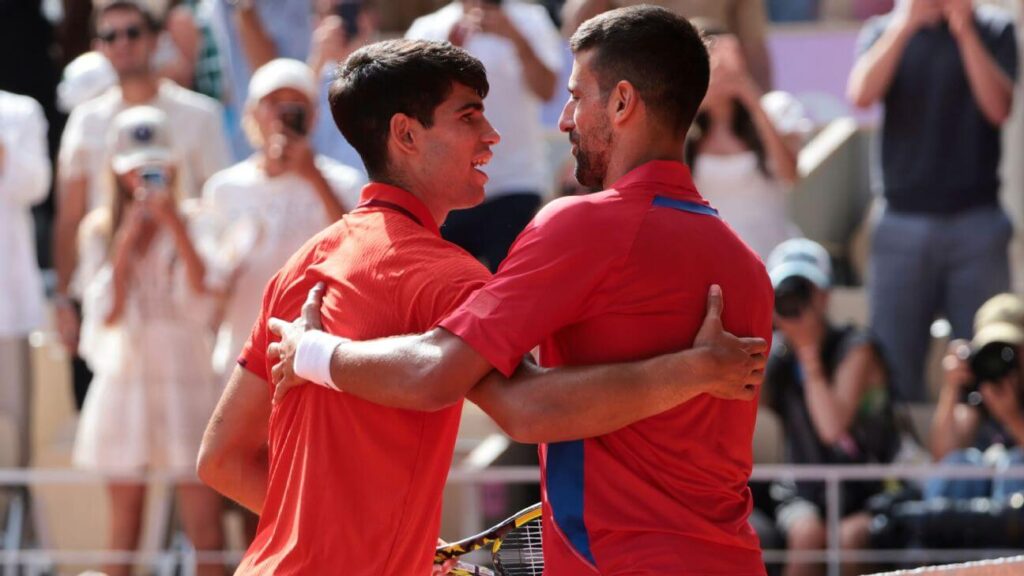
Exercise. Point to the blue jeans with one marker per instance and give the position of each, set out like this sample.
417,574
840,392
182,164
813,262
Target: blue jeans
966,488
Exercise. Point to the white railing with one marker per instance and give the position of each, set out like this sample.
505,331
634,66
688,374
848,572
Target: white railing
39,560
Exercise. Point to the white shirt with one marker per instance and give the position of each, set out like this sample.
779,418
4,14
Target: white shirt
266,221
514,111
24,181
196,132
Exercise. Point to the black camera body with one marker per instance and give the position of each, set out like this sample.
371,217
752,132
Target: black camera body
294,117
990,363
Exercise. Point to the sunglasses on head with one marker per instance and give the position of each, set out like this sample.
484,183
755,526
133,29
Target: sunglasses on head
129,33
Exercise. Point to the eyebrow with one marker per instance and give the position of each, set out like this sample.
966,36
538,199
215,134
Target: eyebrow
479,106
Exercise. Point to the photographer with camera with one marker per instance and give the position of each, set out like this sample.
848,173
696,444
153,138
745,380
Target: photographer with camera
979,420
828,385
144,302
275,200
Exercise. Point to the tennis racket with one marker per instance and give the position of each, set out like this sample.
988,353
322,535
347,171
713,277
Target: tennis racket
515,545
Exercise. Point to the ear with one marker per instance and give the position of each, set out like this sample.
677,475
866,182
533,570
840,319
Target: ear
402,134
624,102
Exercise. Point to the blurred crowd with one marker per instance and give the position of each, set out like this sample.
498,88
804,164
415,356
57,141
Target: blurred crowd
161,159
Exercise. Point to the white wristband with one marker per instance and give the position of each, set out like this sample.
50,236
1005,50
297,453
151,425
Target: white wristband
313,357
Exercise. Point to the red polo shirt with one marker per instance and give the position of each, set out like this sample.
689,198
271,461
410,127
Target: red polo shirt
623,275
355,487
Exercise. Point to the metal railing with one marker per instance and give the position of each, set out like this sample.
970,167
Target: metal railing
37,561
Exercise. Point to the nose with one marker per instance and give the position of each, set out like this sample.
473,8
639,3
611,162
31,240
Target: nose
565,121
490,135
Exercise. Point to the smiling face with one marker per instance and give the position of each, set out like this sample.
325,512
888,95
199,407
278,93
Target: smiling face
585,119
455,149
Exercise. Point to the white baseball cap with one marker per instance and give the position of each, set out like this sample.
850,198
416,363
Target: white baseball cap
138,137
800,257
84,78
282,73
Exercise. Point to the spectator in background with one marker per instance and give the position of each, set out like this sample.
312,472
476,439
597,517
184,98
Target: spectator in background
828,385
944,72
743,150
250,33
24,182
126,36
177,46
979,420
275,200
397,15
745,19
343,26
144,316
522,52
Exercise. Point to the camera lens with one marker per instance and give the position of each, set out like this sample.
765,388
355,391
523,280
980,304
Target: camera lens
792,296
993,361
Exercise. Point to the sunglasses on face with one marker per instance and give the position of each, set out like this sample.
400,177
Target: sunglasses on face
130,33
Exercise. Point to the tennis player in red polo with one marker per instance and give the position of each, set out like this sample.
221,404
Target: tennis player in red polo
346,486
612,276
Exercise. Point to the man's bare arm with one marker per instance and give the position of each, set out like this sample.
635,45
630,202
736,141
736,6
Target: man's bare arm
258,46
233,457
434,370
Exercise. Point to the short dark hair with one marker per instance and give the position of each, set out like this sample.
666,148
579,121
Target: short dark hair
661,54
103,8
411,77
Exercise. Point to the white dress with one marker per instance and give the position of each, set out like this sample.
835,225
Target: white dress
753,204
153,390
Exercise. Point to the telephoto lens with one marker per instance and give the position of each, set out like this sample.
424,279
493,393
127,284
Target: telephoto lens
993,361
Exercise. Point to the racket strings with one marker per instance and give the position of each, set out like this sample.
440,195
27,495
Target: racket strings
521,552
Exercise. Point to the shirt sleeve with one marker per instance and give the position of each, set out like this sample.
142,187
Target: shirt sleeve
25,173
546,283
73,157
870,34
213,153
426,28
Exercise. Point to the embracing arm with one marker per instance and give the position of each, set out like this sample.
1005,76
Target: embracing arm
553,405
233,457
437,369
